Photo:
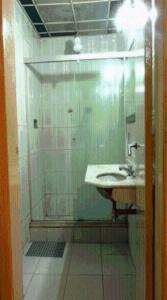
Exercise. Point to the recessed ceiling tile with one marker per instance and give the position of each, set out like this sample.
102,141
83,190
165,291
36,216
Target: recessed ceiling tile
95,32
62,34
75,1
44,35
115,5
91,11
33,14
56,13
111,24
61,27
51,1
101,25
24,2
40,28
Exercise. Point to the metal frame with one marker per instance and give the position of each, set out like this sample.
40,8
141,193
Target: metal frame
43,23
76,22
80,57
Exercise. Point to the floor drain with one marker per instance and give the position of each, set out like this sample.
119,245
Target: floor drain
46,249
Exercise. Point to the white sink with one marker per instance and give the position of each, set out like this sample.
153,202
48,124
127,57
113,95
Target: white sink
111,177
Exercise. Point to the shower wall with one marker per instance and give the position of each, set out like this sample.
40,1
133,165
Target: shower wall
91,44
26,45
33,104
83,123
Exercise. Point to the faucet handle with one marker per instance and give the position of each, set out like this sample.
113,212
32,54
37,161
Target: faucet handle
130,146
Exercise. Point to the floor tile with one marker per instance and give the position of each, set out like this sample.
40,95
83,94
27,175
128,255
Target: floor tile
86,259
87,235
114,234
26,281
86,248
46,287
119,287
115,249
50,265
84,287
29,264
117,265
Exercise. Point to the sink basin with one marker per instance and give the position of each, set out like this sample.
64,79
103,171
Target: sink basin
114,177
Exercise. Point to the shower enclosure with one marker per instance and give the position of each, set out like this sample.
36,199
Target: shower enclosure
76,117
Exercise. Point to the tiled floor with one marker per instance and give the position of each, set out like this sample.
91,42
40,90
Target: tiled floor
86,272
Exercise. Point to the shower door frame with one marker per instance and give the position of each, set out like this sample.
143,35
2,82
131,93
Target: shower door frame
122,55
82,57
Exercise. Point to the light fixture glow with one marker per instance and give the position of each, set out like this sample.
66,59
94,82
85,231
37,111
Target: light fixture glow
109,72
132,15
77,45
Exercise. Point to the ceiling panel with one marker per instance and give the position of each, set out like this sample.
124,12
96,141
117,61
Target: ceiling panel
91,11
111,24
88,1
61,27
115,5
26,2
64,17
93,25
61,34
33,14
40,28
51,1
56,13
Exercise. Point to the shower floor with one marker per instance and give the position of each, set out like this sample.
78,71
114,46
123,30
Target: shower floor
84,272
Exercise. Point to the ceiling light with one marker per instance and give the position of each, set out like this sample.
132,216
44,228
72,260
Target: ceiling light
77,45
132,15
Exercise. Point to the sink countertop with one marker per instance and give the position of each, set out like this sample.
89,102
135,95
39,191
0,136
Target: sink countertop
94,170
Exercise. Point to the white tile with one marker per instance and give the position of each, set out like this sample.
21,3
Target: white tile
49,265
84,287
55,265
115,235
30,264
86,259
87,235
60,234
46,287
115,249
117,265
38,234
119,288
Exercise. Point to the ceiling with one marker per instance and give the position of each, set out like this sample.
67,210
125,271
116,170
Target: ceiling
68,17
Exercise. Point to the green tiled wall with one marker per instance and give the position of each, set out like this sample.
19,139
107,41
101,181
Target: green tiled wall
83,123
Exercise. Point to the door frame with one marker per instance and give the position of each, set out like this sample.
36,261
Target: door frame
10,228
10,241
164,200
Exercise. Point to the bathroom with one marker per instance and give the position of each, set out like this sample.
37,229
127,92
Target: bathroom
80,88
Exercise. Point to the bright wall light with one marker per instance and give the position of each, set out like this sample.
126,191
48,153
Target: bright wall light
132,15
111,72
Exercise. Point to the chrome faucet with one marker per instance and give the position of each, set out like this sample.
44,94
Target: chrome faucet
134,145
129,169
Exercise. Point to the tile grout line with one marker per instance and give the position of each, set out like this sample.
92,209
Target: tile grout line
101,244
25,291
33,273
68,269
